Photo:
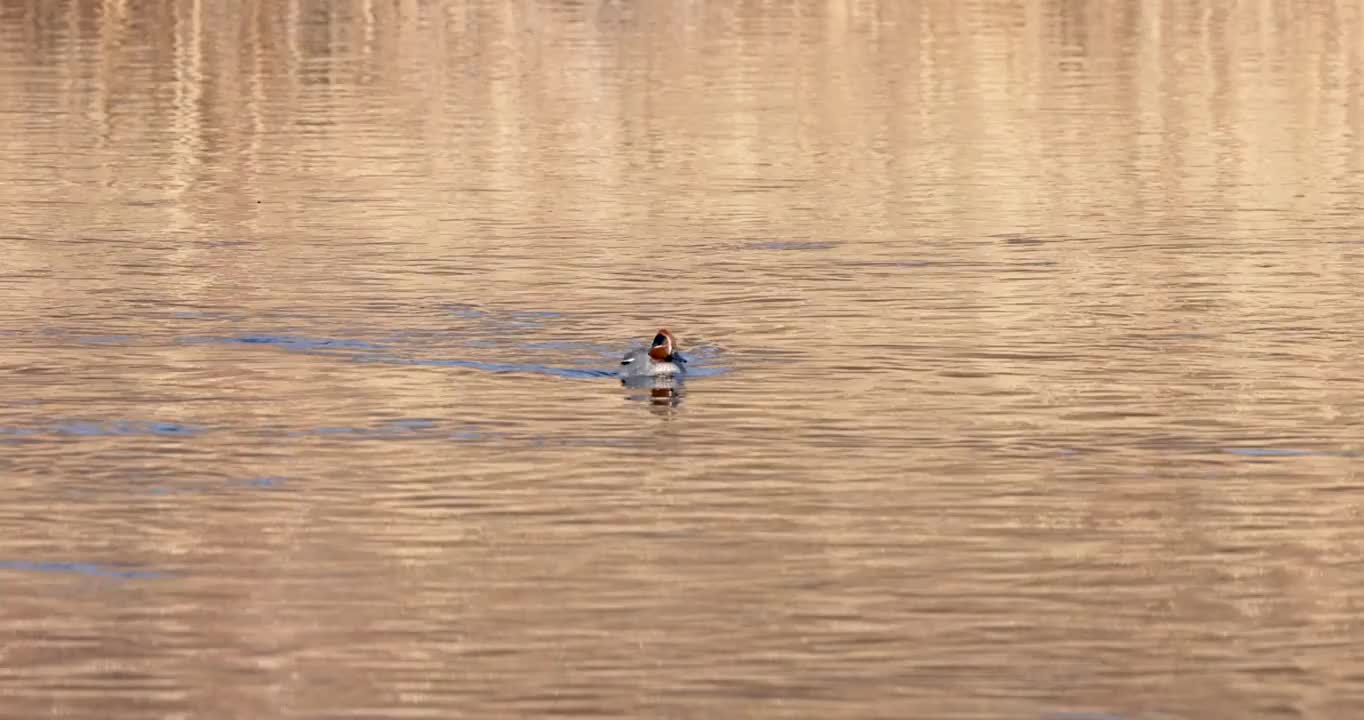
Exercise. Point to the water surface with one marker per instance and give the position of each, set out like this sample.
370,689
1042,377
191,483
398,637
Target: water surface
1027,341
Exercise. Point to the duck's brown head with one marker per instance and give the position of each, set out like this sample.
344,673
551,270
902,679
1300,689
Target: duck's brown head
661,349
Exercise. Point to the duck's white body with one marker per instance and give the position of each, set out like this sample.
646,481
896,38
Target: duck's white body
658,360
637,363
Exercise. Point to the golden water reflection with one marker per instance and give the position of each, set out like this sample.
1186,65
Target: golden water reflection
1026,341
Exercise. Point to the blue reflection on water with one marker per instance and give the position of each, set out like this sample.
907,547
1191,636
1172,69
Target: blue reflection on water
291,342
116,427
79,568
1272,452
585,354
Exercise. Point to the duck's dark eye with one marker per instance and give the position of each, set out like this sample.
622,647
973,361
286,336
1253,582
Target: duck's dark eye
660,339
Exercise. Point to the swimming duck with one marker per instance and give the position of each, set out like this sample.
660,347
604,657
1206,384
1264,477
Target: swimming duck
661,358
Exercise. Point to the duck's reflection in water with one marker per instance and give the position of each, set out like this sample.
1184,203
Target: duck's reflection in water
662,392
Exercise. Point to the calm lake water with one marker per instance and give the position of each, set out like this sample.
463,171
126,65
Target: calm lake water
1026,341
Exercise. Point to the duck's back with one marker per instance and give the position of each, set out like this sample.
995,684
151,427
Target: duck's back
638,363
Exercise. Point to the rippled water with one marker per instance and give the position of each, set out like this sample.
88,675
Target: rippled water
1026,341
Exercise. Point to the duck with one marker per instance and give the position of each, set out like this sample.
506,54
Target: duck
660,359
